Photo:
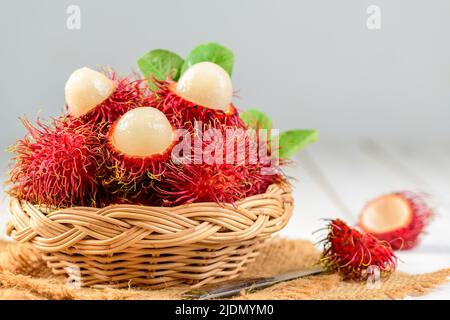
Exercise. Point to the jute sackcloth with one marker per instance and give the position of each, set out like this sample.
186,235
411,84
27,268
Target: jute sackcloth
24,275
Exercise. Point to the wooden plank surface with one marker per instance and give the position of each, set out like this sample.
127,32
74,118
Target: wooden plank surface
314,200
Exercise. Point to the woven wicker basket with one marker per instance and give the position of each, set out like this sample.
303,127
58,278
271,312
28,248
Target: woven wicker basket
123,245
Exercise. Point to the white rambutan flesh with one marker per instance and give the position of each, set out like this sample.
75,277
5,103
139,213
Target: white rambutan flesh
85,89
398,218
386,214
142,132
206,84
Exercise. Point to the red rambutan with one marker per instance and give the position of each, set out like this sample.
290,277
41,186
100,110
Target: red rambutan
223,183
56,164
139,148
217,170
398,218
103,98
351,252
202,94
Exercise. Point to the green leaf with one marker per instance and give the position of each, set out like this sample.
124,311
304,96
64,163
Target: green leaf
256,119
211,52
292,141
160,63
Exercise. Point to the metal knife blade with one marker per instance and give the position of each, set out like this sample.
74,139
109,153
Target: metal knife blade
232,288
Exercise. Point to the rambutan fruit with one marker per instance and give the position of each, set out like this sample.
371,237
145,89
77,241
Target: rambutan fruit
351,252
398,218
203,93
56,164
103,98
139,147
223,183
214,172
206,84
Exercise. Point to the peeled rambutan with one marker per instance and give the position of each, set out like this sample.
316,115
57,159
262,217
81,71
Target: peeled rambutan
351,252
139,147
203,93
398,218
56,164
103,98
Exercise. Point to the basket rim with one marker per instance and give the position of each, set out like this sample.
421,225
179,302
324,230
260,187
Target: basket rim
118,227
284,185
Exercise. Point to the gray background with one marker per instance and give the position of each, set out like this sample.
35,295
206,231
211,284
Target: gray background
306,63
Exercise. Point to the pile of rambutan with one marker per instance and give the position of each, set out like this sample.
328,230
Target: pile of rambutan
152,140
62,162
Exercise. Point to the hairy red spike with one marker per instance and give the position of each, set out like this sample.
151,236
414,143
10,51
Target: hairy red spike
351,252
57,164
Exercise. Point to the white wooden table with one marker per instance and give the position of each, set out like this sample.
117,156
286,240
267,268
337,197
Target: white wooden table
335,179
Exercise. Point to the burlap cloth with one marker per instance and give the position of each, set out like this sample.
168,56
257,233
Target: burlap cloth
23,275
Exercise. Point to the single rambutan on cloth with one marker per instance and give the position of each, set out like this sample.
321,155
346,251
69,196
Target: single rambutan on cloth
354,254
129,92
56,164
400,218
183,113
